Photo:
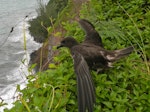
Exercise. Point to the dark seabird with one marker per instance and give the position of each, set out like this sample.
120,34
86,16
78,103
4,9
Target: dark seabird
90,55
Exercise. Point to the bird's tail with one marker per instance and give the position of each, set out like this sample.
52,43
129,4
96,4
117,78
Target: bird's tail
123,52
117,54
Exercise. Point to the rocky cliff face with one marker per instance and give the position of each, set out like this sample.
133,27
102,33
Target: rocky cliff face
43,56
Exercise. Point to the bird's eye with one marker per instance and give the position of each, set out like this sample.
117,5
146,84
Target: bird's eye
63,42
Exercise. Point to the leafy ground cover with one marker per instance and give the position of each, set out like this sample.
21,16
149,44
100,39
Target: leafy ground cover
123,88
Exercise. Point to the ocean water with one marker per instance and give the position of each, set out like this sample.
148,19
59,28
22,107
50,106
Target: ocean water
14,16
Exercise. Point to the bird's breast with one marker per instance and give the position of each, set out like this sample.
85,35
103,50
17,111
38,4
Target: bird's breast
92,56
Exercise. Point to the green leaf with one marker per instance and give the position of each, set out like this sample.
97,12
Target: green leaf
52,66
108,104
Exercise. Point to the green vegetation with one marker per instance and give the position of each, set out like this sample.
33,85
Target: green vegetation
45,15
123,88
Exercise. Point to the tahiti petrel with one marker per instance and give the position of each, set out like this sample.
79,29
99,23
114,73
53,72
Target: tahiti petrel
90,55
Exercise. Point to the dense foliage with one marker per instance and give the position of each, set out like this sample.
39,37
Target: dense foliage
46,17
123,88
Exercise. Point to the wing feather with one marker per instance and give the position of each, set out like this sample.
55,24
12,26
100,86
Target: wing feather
85,85
92,36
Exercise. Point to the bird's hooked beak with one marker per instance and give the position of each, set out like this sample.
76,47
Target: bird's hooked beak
59,46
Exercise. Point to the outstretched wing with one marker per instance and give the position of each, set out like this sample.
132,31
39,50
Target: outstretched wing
85,86
92,36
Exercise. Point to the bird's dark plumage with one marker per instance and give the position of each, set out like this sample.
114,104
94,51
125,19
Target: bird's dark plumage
85,86
86,92
92,36
90,55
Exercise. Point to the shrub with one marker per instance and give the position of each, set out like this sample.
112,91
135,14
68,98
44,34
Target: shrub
45,15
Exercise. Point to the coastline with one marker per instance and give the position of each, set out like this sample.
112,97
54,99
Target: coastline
54,88
19,74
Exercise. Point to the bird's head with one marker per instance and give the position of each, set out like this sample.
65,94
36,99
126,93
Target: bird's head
68,42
